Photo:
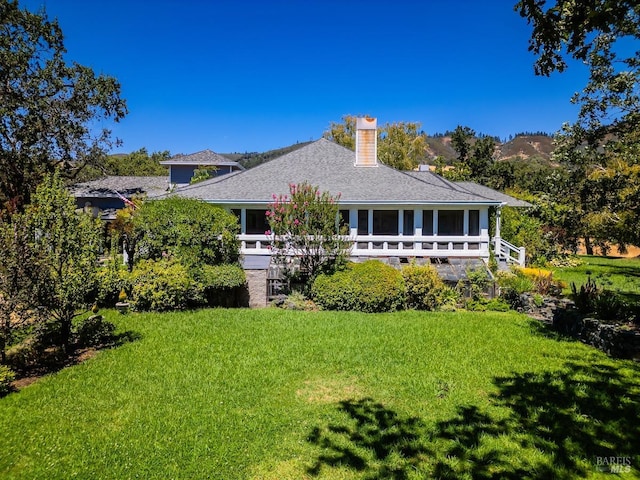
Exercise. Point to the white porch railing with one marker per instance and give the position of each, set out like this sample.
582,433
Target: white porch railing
392,245
509,252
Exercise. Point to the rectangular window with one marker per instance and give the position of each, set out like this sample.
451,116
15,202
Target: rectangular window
427,222
343,219
450,222
385,222
363,222
474,222
256,222
407,222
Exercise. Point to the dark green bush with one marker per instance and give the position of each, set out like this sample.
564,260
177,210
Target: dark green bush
371,286
95,331
424,287
6,377
193,230
162,285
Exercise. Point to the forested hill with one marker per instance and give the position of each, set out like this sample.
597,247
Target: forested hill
524,145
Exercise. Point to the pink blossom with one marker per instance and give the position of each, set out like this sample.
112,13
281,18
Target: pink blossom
268,232
296,222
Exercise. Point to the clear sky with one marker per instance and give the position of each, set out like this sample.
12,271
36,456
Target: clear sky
243,76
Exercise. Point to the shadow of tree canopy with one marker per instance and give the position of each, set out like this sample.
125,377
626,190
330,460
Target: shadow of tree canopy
375,441
540,425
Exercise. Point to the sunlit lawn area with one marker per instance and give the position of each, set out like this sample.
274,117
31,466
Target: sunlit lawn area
613,273
270,394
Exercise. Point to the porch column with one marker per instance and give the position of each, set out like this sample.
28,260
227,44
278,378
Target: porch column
353,222
465,222
497,239
243,220
400,222
370,222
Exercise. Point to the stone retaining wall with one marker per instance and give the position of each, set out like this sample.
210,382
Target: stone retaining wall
561,314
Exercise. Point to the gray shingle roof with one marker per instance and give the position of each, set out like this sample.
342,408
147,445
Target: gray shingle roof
205,157
493,194
126,185
331,168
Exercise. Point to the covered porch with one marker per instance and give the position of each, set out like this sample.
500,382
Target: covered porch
453,231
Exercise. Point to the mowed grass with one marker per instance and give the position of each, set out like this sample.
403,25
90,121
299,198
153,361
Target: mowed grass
621,275
271,394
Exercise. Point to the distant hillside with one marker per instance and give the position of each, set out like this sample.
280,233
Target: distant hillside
524,146
527,146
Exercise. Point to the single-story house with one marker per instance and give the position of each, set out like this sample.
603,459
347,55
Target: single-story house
104,196
390,213
182,167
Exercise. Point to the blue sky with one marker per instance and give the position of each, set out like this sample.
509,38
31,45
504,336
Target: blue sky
237,76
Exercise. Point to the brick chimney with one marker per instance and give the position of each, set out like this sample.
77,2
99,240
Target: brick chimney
366,142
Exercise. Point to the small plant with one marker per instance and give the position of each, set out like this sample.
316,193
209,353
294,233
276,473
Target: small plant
585,298
484,305
476,284
122,296
95,331
6,377
295,301
538,300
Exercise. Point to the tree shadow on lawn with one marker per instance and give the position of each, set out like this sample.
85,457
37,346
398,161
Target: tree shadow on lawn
547,425
53,359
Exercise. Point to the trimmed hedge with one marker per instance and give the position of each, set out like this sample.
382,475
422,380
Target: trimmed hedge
162,285
220,285
371,287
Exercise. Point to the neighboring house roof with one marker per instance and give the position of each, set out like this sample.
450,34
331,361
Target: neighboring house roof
126,186
205,157
330,167
494,194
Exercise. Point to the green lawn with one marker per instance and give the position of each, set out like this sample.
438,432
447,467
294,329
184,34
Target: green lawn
271,394
613,273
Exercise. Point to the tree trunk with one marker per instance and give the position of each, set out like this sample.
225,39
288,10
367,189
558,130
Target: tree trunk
588,246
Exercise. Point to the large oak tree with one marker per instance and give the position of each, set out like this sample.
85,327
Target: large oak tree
49,108
600,148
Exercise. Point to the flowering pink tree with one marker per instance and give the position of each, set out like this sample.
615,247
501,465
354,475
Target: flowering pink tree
305,226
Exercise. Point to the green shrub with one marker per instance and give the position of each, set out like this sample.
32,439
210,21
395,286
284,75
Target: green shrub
484,305
6,377
112,279
220,285
477,283
295,301
586,297
162,285
95,331
371,286
220,277
611,306
425,290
